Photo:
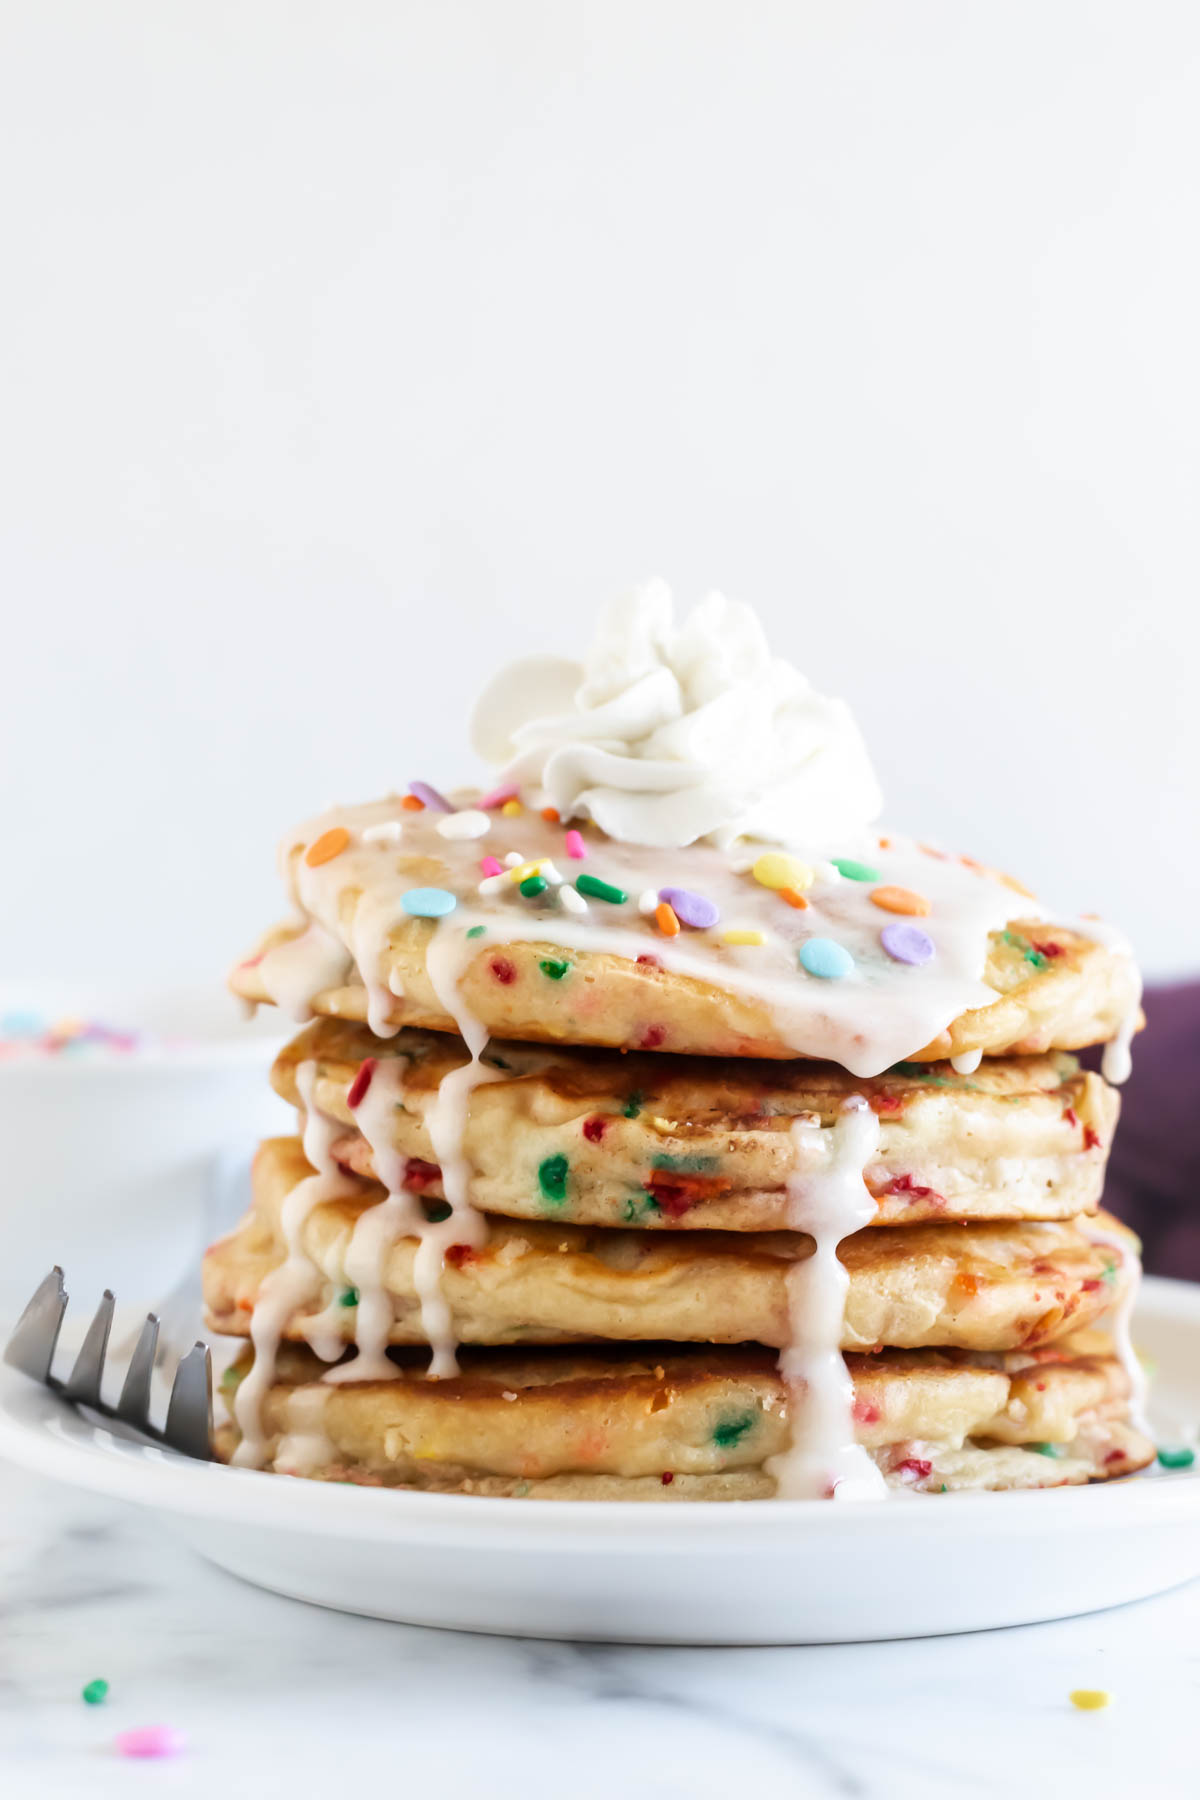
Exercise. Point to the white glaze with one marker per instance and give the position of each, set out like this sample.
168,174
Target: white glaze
300,968
829,1203
304,1446
1121,1320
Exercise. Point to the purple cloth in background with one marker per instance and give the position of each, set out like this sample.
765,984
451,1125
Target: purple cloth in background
1154,1172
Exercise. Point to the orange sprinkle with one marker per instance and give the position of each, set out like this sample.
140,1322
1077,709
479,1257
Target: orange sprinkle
885,843
929,850
551,815
901,900
793,898
327,846
966,1283
412,804
664,918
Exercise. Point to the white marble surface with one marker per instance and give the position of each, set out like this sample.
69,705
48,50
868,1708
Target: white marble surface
278,1698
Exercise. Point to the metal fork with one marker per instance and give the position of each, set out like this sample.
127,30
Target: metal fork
31,1348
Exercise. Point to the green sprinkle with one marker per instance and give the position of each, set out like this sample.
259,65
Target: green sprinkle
349,1297
95,1692
231,1379
1176,1456
533,885
437,1210
633,1105
1014,940
1048,1449
1109,1274
855,871
477,931
731,1431
554,971
686,1165
942,1489
595,889
1037,959
552,1177
640,1206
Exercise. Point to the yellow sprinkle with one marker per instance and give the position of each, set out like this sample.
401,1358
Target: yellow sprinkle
775,870
512,808
1090,1699
742,937
524,870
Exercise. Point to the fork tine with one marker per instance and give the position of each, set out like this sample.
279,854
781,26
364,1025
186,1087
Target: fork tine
83,1383
189,1411
134,1404
35,1335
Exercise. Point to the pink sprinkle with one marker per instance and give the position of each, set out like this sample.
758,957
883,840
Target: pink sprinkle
150,1740
490,866
498,796
575,846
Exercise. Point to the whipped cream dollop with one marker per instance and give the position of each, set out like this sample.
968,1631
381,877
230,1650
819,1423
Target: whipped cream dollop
667,734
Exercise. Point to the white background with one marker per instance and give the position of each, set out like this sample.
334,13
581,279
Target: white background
347,349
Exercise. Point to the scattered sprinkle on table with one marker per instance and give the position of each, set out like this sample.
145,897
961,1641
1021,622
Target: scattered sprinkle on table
470,823
1176,1456
855,871
1090,1699
775,870
150,1740
736,935
429,903
907,944
327,846
595,889
575,845
430,796
826,959
95,1692
901,900
695,910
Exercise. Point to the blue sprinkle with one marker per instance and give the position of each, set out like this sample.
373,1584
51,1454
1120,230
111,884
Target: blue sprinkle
821,956
429,903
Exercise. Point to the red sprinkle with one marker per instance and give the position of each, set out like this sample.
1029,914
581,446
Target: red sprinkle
866,1413
1048,949
649,962
1115,1456
886,1103
1089,1287
653,1037
920,1469
667,1478
458,1254
419,1175
595,1128
1091,1139
904,1184
503,970
1071,1116
361,1082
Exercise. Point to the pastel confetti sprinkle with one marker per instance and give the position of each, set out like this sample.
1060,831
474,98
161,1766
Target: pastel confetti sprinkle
390,831
575,845
1176,1456
775,870
695,910
512,809
429,903
95,1693
737,936
826,959
794,899
664,918
327,846
1090,1699
901,900
499,795
855,871
361,1082
150,1740
533,885
470,823
907,944
490,866
430,796
595,889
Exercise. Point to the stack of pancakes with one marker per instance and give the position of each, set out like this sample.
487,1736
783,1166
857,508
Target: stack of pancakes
534,1238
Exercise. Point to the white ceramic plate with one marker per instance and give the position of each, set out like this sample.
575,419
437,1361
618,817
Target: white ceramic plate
750,1573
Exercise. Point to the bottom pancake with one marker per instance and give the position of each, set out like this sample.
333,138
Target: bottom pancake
659,1422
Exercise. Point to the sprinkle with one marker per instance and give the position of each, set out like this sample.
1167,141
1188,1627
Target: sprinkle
512,809
552,1177
490,866
476,931
731,1431
514,859
492,884
855,871
533,885
901,900
410,803
1176,1456
553,875
348,1297
504,971
521,871
774,870
430,796
907,944
666,1477
95,1693
1055,1450
794,899
575,845
327,846
571,900
361,1082
1090,1699
150,1740
696,910
551,815
595,889
737,936
428,903
470,823
594,1128
390,831
633,1105
822,957
648,902
499,795
666,921
552,969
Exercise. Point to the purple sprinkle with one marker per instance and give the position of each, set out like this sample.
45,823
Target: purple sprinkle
689,908
430,796
906,943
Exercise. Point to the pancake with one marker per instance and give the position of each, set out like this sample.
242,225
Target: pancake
653,1422
989,1286
702,1143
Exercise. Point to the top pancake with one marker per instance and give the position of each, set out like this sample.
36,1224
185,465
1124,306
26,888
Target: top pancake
997,979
